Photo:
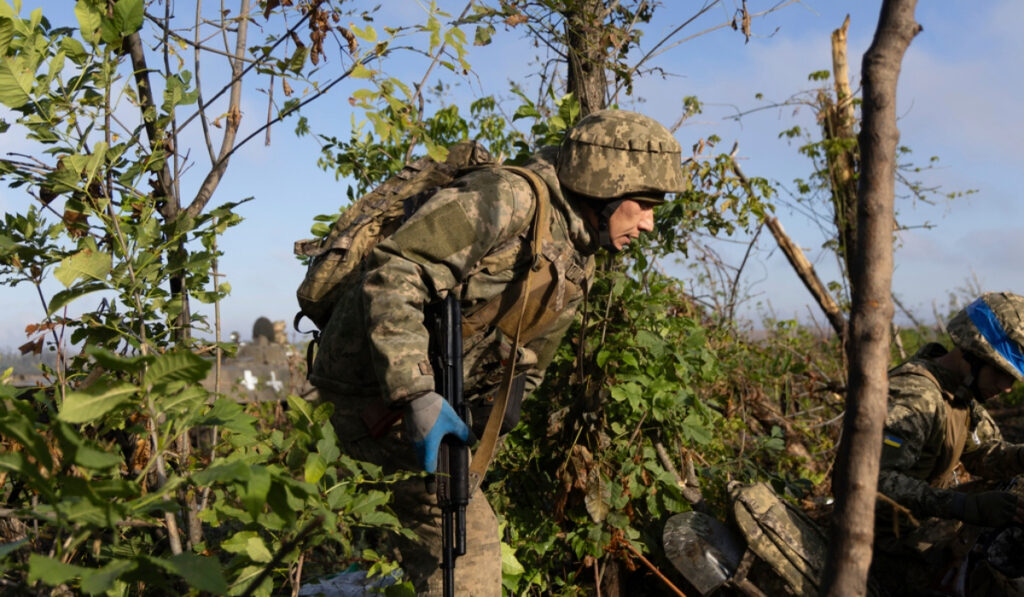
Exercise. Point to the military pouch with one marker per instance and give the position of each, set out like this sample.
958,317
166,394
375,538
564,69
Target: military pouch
481,409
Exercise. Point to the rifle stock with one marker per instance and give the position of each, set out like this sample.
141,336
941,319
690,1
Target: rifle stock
453,458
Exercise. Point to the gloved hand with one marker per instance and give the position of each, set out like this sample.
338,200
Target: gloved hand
987,509
428,419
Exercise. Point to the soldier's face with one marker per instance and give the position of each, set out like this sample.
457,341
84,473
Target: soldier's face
993,381
629,220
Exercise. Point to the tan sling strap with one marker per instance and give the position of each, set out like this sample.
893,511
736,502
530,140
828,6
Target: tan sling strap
489,440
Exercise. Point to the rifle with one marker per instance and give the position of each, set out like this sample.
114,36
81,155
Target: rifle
452,476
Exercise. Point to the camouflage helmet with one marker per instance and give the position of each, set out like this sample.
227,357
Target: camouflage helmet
612,153
992,328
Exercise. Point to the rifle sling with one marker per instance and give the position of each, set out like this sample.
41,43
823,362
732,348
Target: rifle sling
489,440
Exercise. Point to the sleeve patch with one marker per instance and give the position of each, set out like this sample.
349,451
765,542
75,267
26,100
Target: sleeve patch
892,440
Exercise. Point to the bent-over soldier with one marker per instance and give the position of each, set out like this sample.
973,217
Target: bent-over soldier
472,238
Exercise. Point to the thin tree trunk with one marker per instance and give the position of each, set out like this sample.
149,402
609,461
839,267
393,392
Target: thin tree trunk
810,278
587,54
856,476
841,149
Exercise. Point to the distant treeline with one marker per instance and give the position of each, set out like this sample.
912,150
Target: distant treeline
27,364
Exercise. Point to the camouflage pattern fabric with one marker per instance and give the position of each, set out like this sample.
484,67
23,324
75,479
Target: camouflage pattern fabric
478,572
612,153
1008,310
471,236
932,424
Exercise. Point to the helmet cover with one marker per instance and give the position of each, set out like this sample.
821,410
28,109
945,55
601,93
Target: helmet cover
613,153
992,328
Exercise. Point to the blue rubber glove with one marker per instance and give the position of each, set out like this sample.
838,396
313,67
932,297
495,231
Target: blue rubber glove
428,419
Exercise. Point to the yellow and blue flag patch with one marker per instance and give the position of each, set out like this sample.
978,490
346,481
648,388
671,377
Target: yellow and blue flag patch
892,440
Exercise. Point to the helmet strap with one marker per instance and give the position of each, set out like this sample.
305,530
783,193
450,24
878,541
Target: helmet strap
604,217
971,381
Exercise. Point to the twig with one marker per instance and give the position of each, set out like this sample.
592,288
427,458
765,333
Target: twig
828,422
654,569
281,553
418,95
297,583
898,508
899,342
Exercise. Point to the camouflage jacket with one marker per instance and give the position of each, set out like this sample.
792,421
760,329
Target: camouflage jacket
471,237
933,424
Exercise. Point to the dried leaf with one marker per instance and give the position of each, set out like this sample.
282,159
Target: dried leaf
32,346
516,19
353,47
598,496
271,5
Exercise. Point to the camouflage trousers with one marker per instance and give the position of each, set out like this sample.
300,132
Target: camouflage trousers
478,572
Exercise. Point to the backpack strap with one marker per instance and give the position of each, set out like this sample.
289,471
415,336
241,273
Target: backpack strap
540,229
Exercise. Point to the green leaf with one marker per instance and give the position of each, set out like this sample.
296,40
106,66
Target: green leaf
360,72
695,430
236,470
369,34
483,34
328,447
180,365
256,490
6,548
250,544
96,401
230,415
115,362
202,572
16,78
89,19
50,571
102,580
184,401
24,431
82,452
298,59
65,297
509,564
128,16
6,34
315,467
17,464
74,49
299,404
85,264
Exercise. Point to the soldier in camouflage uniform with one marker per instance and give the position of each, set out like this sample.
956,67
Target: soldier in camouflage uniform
472,238
935,421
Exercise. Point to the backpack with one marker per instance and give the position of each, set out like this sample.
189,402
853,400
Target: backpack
780,535
336,259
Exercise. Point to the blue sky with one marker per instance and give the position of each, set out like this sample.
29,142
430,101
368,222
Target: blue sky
957,100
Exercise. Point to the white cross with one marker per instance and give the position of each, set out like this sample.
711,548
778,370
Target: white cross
275,382
249,380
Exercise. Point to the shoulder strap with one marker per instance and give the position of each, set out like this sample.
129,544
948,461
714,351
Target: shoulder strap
540,230
915,368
